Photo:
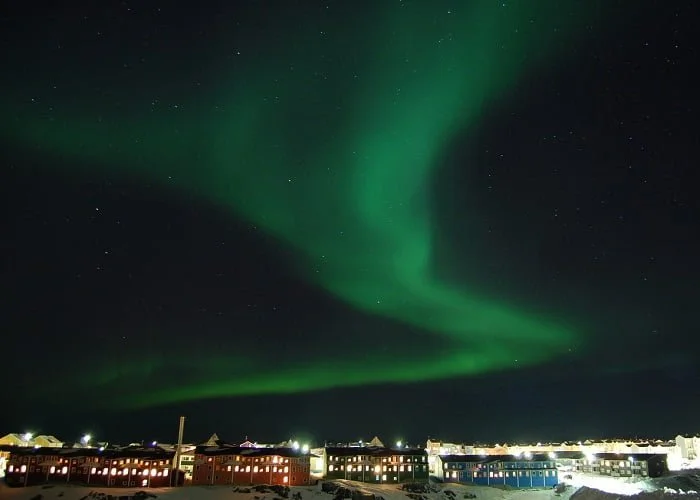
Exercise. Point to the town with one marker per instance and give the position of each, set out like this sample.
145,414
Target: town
27,460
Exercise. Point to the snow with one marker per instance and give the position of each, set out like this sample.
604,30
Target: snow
584,487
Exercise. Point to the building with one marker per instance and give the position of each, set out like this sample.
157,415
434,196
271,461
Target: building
531,471
28,439
46,441
186,459
435,448
233,464
376,464
17,439
688,446
132,466
618,465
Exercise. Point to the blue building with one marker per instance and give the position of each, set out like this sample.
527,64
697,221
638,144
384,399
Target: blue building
534,471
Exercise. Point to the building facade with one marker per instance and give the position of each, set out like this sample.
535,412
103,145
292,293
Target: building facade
141,467
618,465
237,465
535,471
376,465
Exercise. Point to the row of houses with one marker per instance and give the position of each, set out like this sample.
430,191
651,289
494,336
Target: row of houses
216,462
542,470
131,466
682,452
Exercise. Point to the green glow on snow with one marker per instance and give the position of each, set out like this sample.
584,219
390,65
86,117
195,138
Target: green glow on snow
338,167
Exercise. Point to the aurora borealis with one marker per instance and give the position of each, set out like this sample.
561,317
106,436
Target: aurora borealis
328,128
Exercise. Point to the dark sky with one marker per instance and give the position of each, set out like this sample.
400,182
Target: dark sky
474,221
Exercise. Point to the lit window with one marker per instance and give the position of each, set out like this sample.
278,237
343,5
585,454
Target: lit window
64,470
52,470
105,470
165,472
228,468
113,471
401,468
286,469
133,472
236,468
330,467
285,479
255,469
247,468
93,470
154,472
409,468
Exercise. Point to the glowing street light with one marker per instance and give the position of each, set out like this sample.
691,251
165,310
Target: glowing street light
399,444
27,437
86,440
305,448
295,445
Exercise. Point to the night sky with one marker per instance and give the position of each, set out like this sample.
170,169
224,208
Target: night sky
471,220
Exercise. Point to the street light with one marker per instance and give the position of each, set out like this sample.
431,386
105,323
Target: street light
27,437
399,444
305,448
86,440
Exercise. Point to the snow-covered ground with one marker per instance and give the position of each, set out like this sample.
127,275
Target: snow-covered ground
583,487
684,483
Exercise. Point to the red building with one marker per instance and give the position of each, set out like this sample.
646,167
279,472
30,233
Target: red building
236,465
140,467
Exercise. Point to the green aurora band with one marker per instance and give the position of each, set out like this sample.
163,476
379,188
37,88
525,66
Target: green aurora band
335,157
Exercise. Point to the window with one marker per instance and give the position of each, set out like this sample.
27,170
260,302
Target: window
285,479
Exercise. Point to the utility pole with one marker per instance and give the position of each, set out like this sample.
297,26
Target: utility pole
178,451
